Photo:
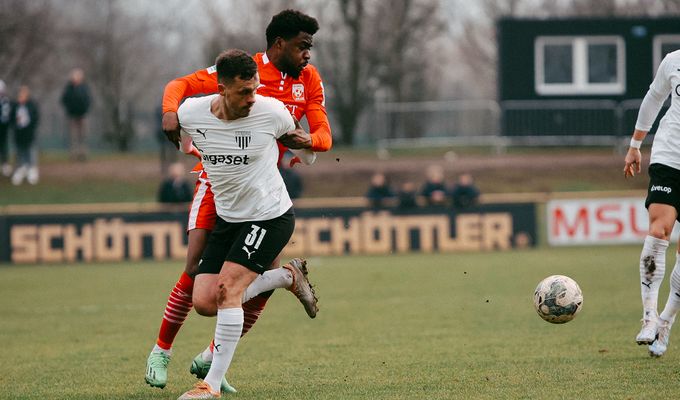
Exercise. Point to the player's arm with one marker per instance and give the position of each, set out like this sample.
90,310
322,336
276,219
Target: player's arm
306,155
203,81
319,137
649,109
319,127
285,124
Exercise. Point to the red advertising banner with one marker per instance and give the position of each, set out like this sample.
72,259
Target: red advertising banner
597,221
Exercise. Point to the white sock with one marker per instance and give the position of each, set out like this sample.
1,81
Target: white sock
272,279
652,271
207,354
227,333
673,302
158,349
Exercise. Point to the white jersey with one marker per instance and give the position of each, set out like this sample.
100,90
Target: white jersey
666,145
241,156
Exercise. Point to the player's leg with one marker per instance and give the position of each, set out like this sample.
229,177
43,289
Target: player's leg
230,283
653,267
201,221
257,244
667,316
292,277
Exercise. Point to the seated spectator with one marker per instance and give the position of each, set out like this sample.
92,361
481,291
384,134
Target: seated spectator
407,196
434,190
464,194
379,191
175,188
291,178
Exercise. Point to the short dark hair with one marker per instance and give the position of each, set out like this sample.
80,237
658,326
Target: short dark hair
289,23
235,63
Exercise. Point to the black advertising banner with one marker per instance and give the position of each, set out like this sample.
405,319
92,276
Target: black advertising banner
158,235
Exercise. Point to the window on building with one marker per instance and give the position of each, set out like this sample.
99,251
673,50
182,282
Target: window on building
664,44
579,65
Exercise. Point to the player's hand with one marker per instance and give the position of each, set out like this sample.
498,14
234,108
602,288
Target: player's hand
170,125
293,161
633,163
297,139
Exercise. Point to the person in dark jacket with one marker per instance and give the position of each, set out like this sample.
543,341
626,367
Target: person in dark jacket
407,196
76,102
434,190
291,178
5,120
25,117
175,188
464,194
379,191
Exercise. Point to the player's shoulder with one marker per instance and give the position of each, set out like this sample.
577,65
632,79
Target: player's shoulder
673,56
670,63
266,104
273,108
194,105
310,74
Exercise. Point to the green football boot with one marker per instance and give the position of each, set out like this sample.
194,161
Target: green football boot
157,369
200,368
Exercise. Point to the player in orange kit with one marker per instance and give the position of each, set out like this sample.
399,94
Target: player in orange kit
285,74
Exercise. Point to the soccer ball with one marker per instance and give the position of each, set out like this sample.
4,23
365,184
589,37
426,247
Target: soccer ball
558,299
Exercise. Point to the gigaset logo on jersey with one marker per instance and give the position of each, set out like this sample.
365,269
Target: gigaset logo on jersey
659,188
226,159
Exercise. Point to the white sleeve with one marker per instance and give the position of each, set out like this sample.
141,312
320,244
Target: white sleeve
654,99
283,120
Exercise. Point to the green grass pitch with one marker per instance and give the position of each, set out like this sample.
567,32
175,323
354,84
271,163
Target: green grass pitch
446,326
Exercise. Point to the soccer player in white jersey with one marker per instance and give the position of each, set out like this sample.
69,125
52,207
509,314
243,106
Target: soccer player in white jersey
663,201
236,131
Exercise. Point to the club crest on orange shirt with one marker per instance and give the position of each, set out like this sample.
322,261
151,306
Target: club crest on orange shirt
298,92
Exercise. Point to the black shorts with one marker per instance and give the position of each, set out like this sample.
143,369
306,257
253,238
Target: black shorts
253,244
664,186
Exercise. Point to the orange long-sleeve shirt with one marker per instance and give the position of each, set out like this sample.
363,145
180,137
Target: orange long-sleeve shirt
303,96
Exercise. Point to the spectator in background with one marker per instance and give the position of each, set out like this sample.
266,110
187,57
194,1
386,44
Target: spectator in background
464,193
76,102
168,151
25,117
434,190
5,120
175,188
379,191
291,178
407,196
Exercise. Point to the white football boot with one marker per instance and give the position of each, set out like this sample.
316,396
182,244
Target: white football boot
647,334
660,345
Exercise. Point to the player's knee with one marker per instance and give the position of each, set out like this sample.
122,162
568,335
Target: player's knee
227,294
204,306
659,231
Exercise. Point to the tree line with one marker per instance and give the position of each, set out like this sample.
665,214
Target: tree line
367,51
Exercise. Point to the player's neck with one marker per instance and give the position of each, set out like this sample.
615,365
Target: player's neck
274,58
220,109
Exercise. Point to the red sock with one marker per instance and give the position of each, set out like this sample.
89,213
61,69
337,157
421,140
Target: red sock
176,311
252,310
